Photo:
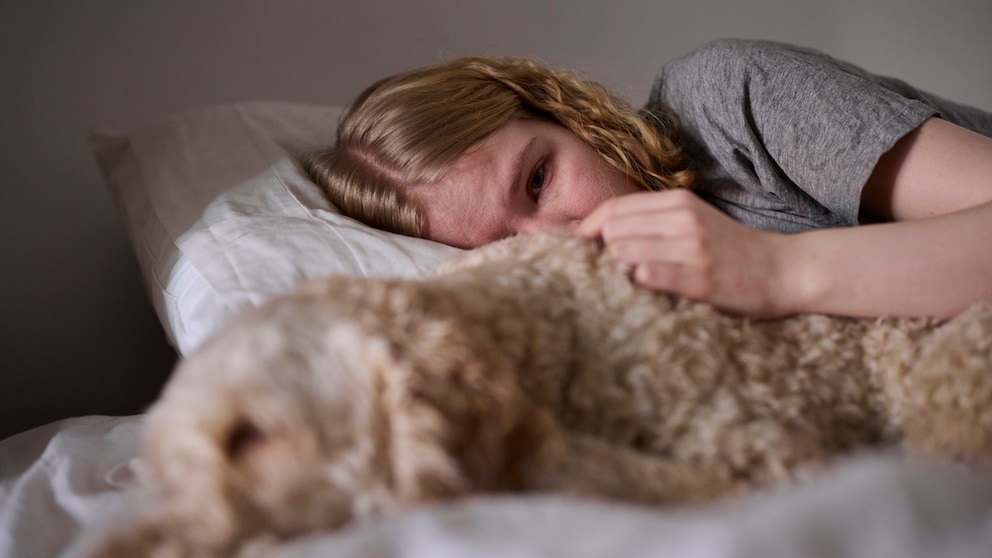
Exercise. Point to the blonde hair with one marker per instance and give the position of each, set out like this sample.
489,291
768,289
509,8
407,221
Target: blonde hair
409,128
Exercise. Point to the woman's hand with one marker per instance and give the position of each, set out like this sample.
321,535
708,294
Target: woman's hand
677,243
933,260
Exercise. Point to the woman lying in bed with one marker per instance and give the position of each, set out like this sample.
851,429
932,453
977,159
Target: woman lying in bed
741,142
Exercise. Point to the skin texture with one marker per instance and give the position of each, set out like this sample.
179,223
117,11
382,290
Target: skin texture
934,186
529,175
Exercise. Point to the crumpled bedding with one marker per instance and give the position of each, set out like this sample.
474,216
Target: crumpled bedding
57,479
58,483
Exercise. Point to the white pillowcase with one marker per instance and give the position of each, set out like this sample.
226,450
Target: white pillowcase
222,216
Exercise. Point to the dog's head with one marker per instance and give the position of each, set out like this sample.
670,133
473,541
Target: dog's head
293,420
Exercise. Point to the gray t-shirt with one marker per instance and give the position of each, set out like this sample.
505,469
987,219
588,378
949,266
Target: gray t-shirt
784,138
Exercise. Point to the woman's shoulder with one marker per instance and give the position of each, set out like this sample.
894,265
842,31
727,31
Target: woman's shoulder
743,51
721,78
725,84
732,63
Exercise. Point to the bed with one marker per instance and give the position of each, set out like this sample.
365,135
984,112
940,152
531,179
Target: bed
221,217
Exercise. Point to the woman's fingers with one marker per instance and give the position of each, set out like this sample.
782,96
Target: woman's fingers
613,214
676,243
673,277
683,249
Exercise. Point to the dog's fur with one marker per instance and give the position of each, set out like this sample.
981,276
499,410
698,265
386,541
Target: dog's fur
531,364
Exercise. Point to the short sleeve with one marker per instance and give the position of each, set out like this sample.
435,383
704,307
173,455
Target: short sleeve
785,138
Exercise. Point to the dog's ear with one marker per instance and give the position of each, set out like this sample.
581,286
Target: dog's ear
417,434
458,419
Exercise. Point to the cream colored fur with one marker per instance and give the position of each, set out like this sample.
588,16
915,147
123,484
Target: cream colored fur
532,364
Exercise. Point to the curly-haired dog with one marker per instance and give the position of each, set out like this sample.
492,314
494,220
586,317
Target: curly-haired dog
531,364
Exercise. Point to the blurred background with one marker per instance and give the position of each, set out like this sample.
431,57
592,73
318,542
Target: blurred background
77,335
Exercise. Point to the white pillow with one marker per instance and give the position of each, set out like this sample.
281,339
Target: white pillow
222,216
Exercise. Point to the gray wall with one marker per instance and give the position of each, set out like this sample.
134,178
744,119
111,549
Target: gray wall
78,337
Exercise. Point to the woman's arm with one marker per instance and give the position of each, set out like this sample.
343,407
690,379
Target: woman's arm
935,259
936,266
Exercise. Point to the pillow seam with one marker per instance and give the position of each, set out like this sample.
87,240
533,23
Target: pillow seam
307,210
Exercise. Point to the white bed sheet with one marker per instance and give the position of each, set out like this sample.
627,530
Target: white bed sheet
871,507
57,481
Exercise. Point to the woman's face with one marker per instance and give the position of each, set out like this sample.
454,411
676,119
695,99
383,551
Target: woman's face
527,176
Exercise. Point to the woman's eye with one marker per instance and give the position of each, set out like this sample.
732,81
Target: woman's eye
536,183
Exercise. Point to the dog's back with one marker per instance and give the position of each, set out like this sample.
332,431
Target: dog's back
755,400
